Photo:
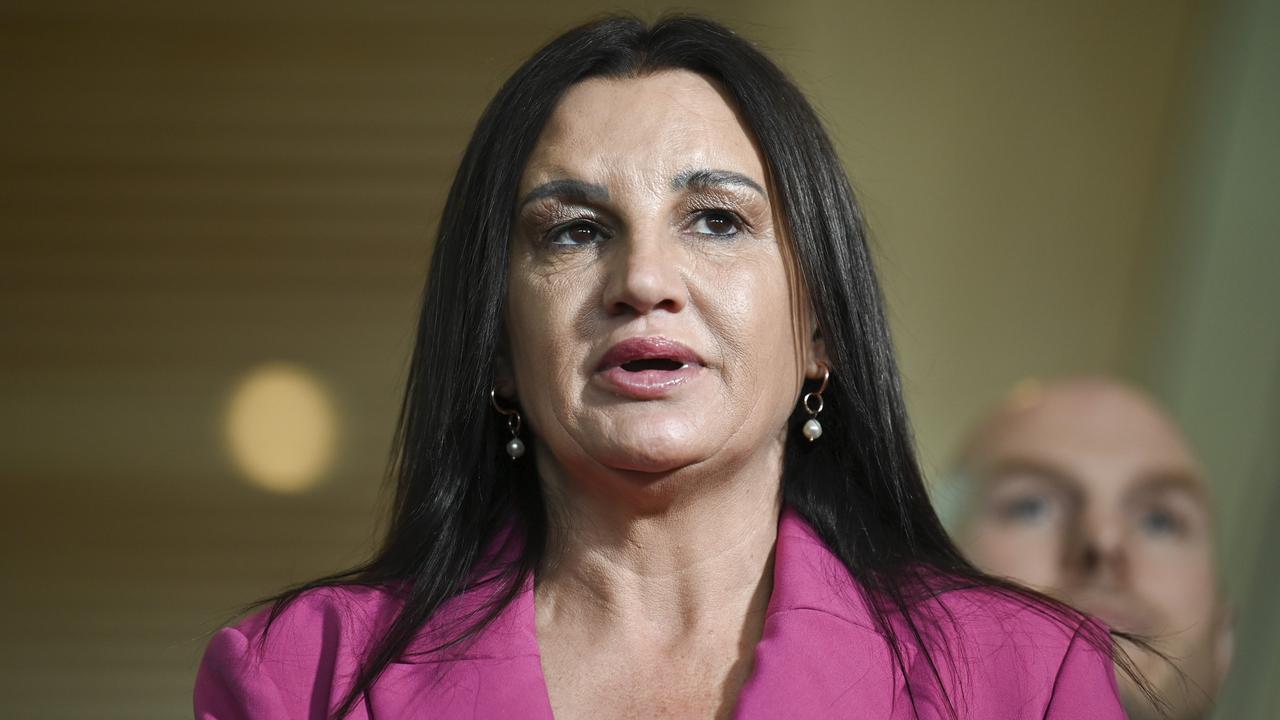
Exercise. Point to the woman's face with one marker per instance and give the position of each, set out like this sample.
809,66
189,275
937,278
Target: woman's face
652,322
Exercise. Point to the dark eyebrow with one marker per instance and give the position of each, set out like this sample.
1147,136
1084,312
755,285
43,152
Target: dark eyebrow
703,179
572,190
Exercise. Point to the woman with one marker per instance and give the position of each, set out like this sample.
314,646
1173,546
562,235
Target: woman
653,459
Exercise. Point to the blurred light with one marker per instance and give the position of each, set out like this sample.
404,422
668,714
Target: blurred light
281,428
1025,394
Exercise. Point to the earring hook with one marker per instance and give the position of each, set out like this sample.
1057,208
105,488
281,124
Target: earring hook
493,400
826,375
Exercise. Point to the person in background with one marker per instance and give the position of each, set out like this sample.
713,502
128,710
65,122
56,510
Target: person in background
1084,489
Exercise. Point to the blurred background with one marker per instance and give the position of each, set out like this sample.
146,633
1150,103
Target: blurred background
215,222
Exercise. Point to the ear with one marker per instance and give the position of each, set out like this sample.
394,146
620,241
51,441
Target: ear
815,356
504,379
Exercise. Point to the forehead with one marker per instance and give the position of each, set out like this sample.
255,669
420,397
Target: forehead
1108,441
642,131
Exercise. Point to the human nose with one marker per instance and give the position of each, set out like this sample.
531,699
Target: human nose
1095,551
645,275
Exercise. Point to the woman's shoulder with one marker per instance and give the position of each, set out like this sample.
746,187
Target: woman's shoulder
272,664
327,621
357,610
1002,649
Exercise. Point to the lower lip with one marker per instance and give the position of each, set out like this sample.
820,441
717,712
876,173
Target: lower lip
647,384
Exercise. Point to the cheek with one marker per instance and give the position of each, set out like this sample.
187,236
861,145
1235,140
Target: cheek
545,329
1030,556
748,306
1180,580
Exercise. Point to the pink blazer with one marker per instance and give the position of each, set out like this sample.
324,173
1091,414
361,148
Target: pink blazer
819,657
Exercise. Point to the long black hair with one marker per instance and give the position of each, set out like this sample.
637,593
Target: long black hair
860,488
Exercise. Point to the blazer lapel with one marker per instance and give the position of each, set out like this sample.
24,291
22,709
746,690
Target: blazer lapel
495,674
820,654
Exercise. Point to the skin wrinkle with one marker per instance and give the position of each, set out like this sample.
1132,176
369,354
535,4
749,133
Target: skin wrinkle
583,191
662,513
702,179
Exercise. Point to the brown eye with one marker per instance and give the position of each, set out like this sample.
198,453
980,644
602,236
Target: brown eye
580,233
716,222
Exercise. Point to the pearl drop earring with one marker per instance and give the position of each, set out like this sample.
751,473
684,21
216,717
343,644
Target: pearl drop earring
812,402
515,447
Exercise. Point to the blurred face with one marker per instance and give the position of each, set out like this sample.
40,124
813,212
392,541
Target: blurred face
1090,494
652,322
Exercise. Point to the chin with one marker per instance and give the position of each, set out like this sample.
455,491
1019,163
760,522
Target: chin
1186,701
655,445
652,458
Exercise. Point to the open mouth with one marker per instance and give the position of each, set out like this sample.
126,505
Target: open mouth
651,364
648,368
641,354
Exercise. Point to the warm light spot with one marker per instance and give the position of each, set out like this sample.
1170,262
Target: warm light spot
1025,394
281,428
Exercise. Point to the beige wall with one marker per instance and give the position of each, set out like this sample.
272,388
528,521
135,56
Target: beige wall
1007,154
185,194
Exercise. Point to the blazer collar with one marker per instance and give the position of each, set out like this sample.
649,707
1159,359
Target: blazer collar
806,576
818,635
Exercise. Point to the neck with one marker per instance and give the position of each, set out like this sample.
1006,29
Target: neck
661,559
